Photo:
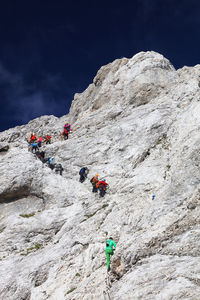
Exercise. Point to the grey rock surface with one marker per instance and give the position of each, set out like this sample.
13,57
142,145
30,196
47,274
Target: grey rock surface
137,125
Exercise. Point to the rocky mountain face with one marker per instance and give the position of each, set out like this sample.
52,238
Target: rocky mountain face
138,126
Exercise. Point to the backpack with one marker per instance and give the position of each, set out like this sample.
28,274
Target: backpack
51,160
67,127
94,181
82,171
107,244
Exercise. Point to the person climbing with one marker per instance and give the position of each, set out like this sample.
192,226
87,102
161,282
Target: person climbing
109,250
67,126
59,168
32,137
83,174
65,134
94,182
39,141
51,163
47,139
102,186
45,160
34,147
67,129
40,155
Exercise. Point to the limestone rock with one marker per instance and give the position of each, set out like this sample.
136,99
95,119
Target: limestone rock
125,83
4,147
137,125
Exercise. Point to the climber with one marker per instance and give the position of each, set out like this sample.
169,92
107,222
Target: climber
83,174
67,129
47,139
94,182
65,134
34,147
109,250
32,137
45,160
40,155
59,168
50,163
39,141
102,186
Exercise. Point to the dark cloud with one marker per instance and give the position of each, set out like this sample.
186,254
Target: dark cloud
21,102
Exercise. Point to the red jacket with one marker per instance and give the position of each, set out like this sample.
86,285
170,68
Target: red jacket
101,184
33,138
48,137
67,127
40,139
65,131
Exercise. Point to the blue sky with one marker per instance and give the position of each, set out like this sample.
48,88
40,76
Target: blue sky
52,49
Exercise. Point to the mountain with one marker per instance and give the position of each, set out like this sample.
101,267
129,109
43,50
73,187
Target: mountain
137,125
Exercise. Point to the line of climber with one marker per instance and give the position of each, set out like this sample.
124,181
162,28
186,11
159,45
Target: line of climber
97,184
35,149
35,142
102,186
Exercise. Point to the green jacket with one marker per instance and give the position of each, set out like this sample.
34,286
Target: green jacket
110,244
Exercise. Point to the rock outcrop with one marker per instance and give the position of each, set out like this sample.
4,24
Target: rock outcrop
137,125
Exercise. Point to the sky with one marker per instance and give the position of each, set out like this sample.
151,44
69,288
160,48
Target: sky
52,49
